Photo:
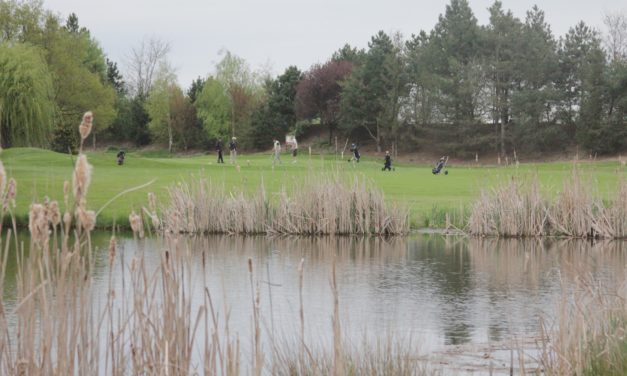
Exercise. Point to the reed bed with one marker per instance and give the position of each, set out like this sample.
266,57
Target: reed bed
324,205
519,209
589,335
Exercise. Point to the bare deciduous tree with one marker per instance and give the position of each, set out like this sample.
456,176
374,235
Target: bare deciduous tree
616,36
142,63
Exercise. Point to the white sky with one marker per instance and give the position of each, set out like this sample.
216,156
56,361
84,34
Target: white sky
281,33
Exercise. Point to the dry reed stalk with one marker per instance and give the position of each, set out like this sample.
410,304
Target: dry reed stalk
257,360
574,211
81,177
515,210
338,353
301,311
511,210
589,335
325,205
84,129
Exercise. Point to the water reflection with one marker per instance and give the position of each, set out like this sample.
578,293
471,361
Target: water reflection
437,290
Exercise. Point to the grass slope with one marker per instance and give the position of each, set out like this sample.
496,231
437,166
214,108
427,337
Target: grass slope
41,173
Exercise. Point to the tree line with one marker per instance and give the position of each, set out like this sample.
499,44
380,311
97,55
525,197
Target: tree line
462,88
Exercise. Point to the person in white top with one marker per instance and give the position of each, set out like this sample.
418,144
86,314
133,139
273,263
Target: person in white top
277,153
294,149
233,149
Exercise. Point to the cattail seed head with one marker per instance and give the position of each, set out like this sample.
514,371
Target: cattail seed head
38,224
86,218
136,224
89,222
67,220
85,127
54,213
46,205
156,223
81,177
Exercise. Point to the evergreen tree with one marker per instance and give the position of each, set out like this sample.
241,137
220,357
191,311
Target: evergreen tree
455,48
582,64
371,96
503,41
533,103
114,77
277,116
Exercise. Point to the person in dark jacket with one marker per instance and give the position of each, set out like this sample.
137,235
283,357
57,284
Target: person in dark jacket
387,165
219,150
121,155
355,151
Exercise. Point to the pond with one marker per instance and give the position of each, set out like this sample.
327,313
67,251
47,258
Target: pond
460,302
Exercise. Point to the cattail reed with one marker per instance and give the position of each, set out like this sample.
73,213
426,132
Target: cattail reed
9,198
152,211
86,218
66,193
54,213
85,127
38,224
136,224
86,124
112,250
589,336
81,177
518,209
324,205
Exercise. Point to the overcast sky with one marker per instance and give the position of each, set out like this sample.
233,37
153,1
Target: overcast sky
280,33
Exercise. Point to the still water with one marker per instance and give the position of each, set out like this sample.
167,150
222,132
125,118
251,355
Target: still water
454,298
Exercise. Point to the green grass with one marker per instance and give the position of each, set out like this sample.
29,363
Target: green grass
40,173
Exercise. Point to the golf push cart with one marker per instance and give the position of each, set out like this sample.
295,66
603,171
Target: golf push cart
440,166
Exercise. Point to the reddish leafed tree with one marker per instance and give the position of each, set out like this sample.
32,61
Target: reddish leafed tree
242,104
318,94
183,118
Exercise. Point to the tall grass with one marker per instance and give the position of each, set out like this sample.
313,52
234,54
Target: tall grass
589,334
519,209
324,205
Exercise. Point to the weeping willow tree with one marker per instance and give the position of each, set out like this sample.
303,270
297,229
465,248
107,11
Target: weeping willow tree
27,107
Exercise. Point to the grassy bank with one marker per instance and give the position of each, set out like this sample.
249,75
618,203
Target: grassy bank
429,198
